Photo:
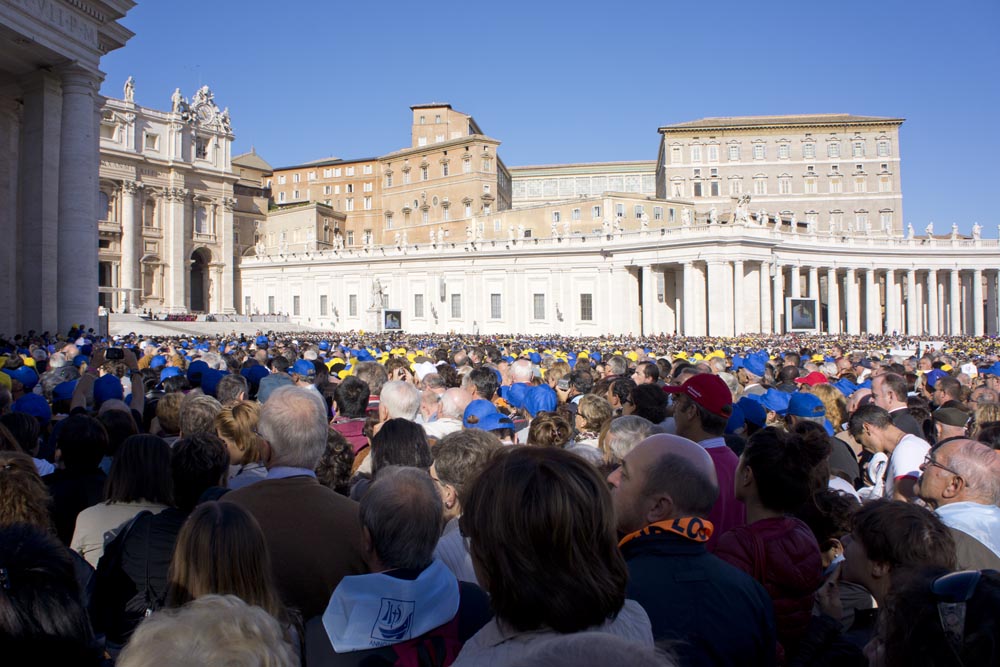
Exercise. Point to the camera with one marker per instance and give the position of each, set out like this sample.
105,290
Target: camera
114,354
563,384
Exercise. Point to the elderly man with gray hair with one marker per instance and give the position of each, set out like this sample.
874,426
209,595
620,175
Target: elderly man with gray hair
449,419
411,602
960,480
624,433
398,400
312,532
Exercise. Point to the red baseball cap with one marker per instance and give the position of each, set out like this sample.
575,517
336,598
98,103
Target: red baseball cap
812,379
707,390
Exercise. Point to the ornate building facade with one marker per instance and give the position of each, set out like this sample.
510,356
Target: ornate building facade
167,204
49,80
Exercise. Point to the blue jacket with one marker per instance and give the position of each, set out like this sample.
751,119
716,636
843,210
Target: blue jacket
717,614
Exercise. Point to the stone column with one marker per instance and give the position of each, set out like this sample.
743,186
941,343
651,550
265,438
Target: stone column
40,206
175,298
933,317
912,307
688,306
130,241
891,302
719,295
766,309
218,271
10,131
991,303
955,305
226,303
738,298
853,302
977,302
832,301
77,234
814,282
796,282
679,300
648,298
873,316
779,298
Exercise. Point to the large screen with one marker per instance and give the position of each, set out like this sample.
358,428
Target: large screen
801,314
392,320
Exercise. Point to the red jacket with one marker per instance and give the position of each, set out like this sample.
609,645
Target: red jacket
782,554
353,430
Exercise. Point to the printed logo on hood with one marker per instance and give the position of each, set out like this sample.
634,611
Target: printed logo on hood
395,618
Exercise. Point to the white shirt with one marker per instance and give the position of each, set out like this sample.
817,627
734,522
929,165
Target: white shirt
905,461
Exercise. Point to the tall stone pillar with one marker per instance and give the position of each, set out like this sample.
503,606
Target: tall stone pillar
719,296
130,241
648,299
738,298
991,303
933,314
779,298
912,304
873,306
814,282
679,301
228,306
853,302
178,262
796,281
77,234
10,130
955,302
218,271
766,309
832,301
892,303
977,302
688,305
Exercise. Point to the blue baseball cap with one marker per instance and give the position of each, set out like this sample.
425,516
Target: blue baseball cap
34,405
755,365
802,404
107,387
494,422
935,375
479,409
776,401
80,360
540,398
515,394
158,361
169,372
304,368
26,375
753,411
736,420
64,390
210,380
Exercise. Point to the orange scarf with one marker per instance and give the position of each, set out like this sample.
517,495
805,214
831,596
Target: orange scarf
689,527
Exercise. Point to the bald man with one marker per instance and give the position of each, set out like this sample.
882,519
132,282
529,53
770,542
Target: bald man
960,481
717,615
449,418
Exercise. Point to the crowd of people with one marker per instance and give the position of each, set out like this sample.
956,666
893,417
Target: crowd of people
353,499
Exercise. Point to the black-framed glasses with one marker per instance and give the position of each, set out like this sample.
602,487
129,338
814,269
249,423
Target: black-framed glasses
953,591
929,461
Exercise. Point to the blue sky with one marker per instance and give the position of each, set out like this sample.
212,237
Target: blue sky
585,81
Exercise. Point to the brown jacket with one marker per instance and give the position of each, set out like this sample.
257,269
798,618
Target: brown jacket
313,534
971,553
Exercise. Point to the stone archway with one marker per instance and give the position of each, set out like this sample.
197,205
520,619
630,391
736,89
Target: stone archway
199,299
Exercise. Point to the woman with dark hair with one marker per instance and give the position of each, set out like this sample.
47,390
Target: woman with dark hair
221,550
43,619
79,482
549,429
120,425
933,617
400,442
541,531
620,396
778,473
140,481
25,430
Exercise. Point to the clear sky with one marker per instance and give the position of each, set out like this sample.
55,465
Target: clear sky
584,81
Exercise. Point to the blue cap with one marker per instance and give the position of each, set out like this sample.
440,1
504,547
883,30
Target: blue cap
540,398
753,411
304,368
535,357
479,409
776,401
195,371
515,394
34,405
169,372
158,361
324,345
596,356
261,340
64,390
803,404
493,422
210,380
25,375
107,387
736,420
80,360
935,375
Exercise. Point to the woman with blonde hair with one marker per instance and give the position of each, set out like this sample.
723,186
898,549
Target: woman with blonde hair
237,426
24,498
549,429
835,404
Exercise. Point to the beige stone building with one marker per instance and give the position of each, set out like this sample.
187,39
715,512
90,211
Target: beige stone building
541,184
50,76
252,201
834,171
166,206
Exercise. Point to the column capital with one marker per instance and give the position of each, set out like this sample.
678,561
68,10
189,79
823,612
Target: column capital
131,187
79,80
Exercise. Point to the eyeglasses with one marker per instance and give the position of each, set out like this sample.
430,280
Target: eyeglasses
953,591
928,461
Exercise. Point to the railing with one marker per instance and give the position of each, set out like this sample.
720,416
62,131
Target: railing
109,227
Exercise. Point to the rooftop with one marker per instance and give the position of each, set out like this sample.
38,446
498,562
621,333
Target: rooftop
252,160
722,122
431,105
326,162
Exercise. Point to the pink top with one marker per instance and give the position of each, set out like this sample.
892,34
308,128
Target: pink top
728,513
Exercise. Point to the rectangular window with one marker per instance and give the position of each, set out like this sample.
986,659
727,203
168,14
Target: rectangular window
368,203
835,186
336,189
595,212
696,154
368,187
423,174
406,177
295,194
758,152
713,153
281,196
858,149
295,305
538,301
349,188
246,306
336,172
810,186
350,237
785,186
715,188
495,310
576,214
425,216
349,204
809,151
388,180
619,210
418,305
388,221
638,211
295,178
587,307
555,216
883,148
311,176
352,305
444,169
671,215
760,186
675,155
270,304
367,169
487,164
676,189
696,189
350,171
859,184
861,221
327,190
657,213
466,166
152,142
456,306
281,179
735,186
784,151
327,173
833,149
884,184
886,220
734,153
